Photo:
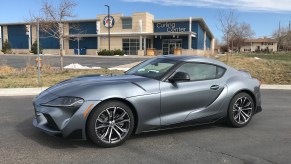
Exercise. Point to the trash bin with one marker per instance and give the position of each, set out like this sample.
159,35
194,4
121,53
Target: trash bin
75,51
83,51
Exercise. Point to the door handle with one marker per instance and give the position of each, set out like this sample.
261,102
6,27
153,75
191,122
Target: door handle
214,87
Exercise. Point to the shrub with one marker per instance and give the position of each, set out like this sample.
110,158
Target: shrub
118,52
105,52
34,48
6,47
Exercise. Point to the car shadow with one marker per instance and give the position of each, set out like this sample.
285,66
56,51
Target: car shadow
178,130
26,129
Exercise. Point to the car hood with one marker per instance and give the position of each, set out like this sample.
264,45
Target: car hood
96,87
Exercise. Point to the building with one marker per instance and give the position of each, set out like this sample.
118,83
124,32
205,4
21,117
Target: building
139,34
260,44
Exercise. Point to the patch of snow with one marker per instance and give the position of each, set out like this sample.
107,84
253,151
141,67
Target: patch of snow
79,66
118,68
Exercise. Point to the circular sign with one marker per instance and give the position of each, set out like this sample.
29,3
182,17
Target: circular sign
108,21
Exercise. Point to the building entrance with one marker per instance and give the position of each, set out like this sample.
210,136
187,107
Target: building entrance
169,45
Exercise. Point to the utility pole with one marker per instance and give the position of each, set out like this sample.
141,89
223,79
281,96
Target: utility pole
279,35
288,36
108,27
38,55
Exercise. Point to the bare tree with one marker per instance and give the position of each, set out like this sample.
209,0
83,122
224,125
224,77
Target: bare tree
52,19
227,22
283,36
240,33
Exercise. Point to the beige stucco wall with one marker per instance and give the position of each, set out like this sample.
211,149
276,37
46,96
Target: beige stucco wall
33,34
5,33
115,43
51,51
206,53
66,32
147,20
20,51
117,25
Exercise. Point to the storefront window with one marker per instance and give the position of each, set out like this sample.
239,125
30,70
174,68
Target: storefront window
127,23
130,46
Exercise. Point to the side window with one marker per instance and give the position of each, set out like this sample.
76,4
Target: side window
201,71
219,72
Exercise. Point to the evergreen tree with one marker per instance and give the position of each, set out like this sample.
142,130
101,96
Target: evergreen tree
34,48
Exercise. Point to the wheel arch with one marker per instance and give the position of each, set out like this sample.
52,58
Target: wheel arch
249,93
129,104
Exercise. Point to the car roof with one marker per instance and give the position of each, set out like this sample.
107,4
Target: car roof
193,58
180,57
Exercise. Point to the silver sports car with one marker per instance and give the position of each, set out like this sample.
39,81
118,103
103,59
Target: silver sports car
160,93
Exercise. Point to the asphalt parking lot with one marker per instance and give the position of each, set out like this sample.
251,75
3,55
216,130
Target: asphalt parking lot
267,139
20,61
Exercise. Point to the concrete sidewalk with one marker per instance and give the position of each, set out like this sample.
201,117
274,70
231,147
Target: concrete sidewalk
35,91
21,91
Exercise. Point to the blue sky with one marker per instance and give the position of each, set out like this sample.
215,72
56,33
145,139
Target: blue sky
262,15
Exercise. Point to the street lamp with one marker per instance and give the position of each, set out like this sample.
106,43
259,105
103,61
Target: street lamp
108,26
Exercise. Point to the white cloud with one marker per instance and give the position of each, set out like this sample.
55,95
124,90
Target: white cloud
243,5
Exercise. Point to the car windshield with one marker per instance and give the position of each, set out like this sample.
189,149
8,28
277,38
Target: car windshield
152,68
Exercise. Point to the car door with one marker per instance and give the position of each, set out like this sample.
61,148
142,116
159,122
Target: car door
181,98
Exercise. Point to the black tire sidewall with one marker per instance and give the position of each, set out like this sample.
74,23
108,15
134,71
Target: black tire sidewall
92,119
231,120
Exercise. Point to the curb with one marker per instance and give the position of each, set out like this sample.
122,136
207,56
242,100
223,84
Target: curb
20,91
6,92
278,87
80,56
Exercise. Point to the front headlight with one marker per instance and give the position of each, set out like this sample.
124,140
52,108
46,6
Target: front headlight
68,102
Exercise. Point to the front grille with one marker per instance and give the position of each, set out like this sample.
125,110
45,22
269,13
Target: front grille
50,122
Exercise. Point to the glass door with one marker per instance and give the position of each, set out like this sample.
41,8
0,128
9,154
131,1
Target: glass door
169,45
172,47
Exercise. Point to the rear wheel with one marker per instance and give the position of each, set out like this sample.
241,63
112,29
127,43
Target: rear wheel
240,110
110,124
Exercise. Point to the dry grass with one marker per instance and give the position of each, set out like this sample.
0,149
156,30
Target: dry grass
267,71
27,77
5,70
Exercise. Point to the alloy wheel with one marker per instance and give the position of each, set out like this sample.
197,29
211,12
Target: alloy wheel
112,125
242,110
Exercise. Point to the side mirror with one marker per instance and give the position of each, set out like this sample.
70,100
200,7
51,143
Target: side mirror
179,76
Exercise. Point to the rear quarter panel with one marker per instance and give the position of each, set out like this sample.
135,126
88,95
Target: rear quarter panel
237,83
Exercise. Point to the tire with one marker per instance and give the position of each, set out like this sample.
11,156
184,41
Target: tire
114,123
241,110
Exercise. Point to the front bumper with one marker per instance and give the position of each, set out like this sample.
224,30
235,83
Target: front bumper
40,122
61,122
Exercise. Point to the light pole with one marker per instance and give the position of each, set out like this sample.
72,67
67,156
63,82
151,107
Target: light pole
108,18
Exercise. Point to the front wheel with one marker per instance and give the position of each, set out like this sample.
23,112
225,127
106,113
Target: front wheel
240,110
110,124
